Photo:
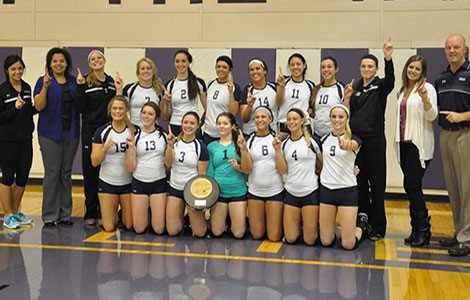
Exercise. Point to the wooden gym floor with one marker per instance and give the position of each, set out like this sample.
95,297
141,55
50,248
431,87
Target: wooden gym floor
76,262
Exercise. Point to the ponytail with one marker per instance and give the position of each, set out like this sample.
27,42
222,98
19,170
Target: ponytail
193,87
91,79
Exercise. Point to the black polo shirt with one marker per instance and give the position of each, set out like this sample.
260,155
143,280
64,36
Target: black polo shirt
453,94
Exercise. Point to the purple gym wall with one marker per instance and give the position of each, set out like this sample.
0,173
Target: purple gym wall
348,62
437,62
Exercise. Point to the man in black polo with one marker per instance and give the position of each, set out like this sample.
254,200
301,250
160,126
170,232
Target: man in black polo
453,88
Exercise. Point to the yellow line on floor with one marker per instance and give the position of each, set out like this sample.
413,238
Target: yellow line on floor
434,262
269,247
386,249
103,237
201,255
422,250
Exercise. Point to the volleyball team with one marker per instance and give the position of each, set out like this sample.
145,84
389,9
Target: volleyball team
303,155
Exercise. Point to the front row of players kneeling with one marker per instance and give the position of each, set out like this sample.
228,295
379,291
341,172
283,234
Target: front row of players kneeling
132,176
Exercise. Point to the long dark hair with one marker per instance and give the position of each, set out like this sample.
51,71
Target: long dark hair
10,60
233,122
424,69
193,88
302,58
157,114
65,53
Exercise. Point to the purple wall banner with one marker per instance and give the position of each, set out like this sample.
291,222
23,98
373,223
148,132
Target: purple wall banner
348,62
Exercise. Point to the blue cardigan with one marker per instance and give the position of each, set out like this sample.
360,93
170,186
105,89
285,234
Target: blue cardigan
50,118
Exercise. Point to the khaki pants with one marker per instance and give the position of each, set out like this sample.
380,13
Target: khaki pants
455,150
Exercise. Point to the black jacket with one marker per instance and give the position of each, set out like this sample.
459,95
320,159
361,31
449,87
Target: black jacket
368,104
92,102
16,124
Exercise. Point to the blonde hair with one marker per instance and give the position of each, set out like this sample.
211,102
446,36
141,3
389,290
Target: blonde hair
156,81
124,100
347,129
91,77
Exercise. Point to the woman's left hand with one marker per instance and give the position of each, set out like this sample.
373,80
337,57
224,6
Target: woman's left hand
388,49
241,142
344,144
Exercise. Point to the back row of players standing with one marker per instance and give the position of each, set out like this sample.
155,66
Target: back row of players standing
224,95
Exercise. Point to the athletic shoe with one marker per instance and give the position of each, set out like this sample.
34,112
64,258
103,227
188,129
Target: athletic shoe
22,219
10,222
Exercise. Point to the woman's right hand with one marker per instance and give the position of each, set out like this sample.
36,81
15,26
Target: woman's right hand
19,102
281,80
47,79
250,100
277,142
80,78
109,144
170,138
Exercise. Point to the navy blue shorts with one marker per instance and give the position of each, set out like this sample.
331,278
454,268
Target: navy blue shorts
107,188
231,199
339,197
149,188
207,139
175,193
310,199
278,197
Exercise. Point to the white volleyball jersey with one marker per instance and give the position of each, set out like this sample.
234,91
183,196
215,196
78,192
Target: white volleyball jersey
184,167
113,168
150,152
218,99
338,164
138,96
264,97
180,102
264,179
301,161
327,97
296,94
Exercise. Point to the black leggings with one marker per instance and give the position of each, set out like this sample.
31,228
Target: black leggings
90,177
16,158
413,175
371,180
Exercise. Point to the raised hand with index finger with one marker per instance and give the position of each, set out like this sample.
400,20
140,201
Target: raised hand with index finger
170,138
19,102
344,144
241,142
80,78
277,141
423,91
388,49
348,89
166,95
281,80
250,100
47,79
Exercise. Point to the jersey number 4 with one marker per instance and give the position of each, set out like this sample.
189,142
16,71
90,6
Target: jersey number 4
294,155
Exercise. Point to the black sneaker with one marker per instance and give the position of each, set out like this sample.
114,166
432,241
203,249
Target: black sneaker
375,235
363,223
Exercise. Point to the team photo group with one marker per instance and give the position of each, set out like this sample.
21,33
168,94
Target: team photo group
293,161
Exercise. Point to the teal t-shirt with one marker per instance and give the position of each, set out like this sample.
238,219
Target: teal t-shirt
231,182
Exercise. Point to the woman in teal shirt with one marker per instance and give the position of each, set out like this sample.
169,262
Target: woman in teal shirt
226,158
